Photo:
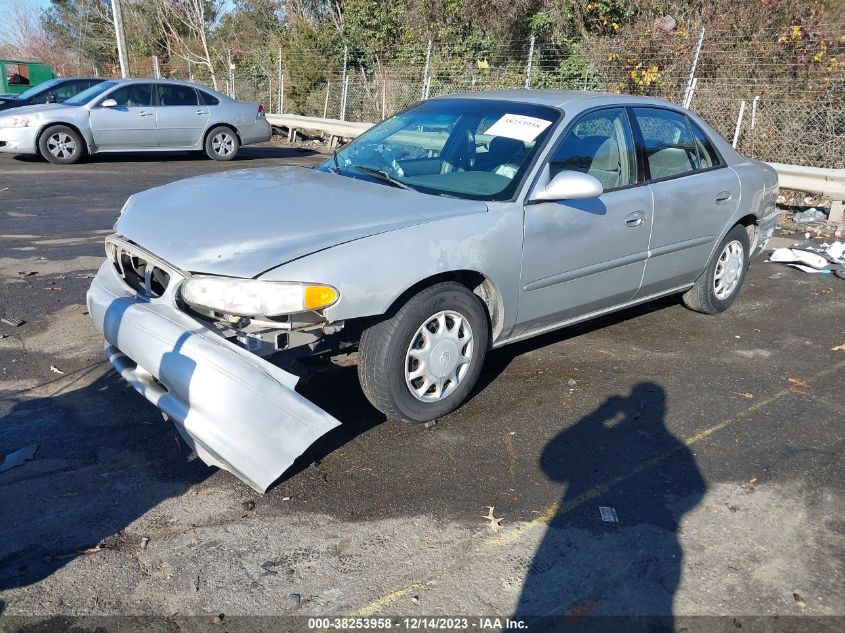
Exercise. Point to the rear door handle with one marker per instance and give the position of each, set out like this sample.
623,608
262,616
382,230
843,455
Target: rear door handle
635,219
145,113
722,197
200,112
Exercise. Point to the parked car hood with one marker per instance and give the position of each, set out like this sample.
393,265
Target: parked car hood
245,222
35,109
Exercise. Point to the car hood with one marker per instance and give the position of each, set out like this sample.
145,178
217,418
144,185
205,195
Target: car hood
243,223
41,107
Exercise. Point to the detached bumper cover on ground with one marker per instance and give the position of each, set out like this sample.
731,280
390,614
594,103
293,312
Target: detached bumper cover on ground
236,410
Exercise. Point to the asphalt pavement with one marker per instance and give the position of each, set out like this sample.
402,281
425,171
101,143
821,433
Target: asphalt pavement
717,442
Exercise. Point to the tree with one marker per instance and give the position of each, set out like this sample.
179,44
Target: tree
186,27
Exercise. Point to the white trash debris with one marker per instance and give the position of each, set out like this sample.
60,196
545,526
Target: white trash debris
824,258
608,515
18,457
809,216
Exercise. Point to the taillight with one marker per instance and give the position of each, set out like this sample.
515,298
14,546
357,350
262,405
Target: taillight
260,114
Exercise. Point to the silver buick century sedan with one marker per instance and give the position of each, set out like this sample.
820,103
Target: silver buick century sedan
462,224
132,115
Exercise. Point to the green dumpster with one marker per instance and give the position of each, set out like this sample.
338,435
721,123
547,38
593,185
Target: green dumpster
16,76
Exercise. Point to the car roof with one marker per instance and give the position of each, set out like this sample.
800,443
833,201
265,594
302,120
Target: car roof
146,80
558,98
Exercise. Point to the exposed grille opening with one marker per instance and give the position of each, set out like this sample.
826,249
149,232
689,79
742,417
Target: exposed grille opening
142,276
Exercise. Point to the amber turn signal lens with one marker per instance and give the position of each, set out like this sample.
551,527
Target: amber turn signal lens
317,297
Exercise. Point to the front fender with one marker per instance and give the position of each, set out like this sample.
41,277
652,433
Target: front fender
373,272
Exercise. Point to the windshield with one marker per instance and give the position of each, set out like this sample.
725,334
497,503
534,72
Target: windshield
26,94
92,93
466,148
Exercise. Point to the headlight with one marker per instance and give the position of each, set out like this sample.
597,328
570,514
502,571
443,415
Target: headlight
253,297
14,121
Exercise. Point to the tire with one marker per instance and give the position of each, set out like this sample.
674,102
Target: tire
222,143
387,364
61,145
711,295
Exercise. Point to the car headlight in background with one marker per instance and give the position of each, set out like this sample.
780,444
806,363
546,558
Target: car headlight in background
253,297
14,121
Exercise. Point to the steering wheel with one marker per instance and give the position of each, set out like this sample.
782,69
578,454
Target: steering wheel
385,156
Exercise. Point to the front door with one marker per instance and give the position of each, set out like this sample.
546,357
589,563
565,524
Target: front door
583,256
180,117
695,195
131,124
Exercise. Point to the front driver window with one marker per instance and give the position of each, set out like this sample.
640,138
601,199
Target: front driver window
600,144
133,96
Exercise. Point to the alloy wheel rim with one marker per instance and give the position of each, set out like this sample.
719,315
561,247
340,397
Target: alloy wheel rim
728,269
223,144
439,356
61,145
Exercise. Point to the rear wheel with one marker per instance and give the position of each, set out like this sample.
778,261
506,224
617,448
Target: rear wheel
423,362
222,143
61,145
719,285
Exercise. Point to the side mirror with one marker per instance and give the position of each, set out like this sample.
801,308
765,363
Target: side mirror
51,98
570,185
109,103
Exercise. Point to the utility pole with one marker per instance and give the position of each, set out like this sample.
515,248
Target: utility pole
117,14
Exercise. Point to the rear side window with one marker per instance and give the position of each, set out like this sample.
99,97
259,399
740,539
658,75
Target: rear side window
707,154
208,99
668,143
176,95
133,96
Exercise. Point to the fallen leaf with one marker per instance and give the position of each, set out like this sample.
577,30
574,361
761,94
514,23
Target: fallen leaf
56,370
752,481
745,394
797,383
494,523
52,288
838,348
194,536
799,601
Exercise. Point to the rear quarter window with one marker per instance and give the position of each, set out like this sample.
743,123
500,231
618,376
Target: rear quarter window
208,99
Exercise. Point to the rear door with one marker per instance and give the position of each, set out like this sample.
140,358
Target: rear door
180,117
131,124
695,195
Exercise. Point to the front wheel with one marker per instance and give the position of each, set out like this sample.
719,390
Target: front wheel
222,144
422,363
61,145
719,284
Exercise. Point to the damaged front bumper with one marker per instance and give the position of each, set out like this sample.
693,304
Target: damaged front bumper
237,411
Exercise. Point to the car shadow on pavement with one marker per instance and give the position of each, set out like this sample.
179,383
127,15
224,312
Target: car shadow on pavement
105,457
498,360
611,558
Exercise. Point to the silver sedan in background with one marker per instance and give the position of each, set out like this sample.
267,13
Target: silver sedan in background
148,115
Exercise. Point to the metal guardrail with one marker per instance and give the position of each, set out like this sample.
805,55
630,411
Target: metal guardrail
829,183
334,128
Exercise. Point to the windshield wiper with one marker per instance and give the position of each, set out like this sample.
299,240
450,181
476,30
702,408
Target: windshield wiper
383,175
336,163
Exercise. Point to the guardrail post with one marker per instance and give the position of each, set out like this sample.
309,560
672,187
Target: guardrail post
530,61
425,71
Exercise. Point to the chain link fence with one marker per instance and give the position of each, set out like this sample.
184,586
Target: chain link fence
792,81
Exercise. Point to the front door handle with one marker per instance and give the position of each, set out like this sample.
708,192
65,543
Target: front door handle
635,219
145,113
722,197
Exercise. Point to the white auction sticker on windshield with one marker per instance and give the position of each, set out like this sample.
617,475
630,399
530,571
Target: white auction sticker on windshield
518,126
